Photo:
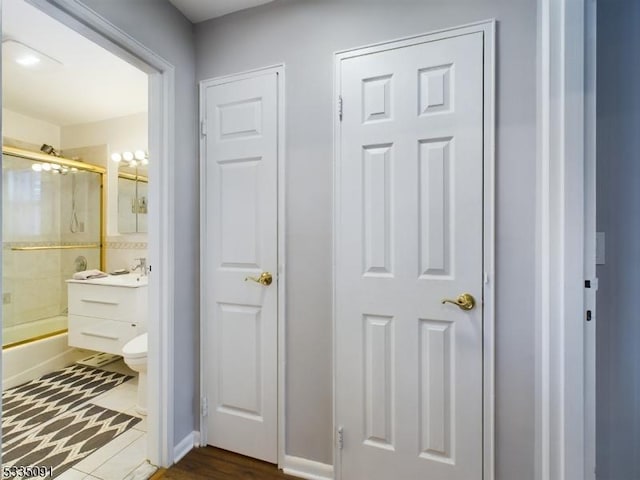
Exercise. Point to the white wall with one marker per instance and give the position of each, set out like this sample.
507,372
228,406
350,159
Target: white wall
618,215
162,28
120,134
304,35
30,130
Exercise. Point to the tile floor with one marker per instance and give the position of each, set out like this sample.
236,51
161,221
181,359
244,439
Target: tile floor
125,456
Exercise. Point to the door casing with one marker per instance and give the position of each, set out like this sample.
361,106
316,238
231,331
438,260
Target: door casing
487,28
204,84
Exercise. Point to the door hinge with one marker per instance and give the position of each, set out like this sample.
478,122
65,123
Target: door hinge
340,438
203,128
340,107
204,406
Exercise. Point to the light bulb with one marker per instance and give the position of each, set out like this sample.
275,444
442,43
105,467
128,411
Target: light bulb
46,167
36,167
74,169
55,166
128,156
144,161
139,154
133,163
116,157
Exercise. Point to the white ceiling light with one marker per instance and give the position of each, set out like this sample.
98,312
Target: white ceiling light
27,57
27,60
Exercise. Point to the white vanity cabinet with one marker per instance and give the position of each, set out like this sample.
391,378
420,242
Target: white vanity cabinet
105,313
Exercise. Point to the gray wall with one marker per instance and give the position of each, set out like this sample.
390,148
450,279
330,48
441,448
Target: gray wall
163,29
618,215
304,35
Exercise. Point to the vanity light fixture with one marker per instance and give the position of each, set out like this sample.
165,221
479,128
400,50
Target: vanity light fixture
131,159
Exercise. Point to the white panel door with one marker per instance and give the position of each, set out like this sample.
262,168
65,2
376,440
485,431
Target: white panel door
410,234
241,169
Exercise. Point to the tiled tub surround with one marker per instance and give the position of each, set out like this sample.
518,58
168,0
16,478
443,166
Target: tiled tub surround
41,210
34,285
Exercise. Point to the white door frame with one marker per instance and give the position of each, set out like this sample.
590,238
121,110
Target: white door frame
278,69
590,36
566,177
487,28
77,16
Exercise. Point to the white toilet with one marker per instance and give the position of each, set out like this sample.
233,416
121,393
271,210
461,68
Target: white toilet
135,356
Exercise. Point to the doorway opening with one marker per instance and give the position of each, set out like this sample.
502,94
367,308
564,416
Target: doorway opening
81,97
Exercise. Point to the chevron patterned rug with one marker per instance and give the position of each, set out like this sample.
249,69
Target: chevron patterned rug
34,403
67,439
48,422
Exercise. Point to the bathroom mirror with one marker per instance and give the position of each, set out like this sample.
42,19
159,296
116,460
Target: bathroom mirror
132,199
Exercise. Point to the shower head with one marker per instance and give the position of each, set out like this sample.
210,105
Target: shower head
49,150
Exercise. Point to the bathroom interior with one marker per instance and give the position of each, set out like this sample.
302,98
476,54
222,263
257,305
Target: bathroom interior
75,179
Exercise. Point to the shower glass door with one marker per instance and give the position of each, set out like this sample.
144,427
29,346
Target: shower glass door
52,217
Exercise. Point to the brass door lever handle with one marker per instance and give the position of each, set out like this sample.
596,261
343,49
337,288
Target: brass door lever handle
464,301
264,279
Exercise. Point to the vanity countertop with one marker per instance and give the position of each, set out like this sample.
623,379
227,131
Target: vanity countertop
131,280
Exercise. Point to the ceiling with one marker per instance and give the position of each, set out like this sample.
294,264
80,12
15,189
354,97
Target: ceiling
201,10
86,84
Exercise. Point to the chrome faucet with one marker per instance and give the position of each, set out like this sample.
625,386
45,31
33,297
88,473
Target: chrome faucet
142,265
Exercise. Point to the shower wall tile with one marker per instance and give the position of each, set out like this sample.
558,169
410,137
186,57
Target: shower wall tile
122,251
68,268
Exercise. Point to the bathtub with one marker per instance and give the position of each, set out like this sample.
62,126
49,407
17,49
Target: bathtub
31,360
17,333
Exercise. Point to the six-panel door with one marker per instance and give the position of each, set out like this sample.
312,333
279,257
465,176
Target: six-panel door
408,235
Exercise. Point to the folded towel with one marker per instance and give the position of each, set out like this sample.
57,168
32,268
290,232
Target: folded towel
88,274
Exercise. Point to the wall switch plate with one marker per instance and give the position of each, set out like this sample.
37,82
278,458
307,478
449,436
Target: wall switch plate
599,248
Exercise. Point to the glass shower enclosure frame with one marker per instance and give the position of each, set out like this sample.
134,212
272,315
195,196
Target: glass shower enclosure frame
28,259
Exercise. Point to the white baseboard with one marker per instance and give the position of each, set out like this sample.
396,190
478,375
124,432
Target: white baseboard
309,469
185,446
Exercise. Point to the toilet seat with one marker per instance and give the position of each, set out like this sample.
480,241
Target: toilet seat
136,348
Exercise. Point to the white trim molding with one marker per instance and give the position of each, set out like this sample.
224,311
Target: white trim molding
309,469
184,446
162,146
560,225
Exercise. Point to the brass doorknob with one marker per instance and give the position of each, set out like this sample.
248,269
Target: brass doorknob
264,279
464,301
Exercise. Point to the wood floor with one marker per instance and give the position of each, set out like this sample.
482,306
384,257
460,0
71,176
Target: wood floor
213,464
